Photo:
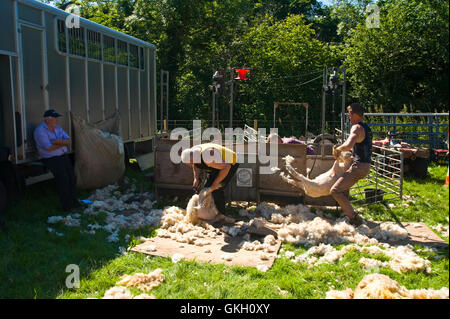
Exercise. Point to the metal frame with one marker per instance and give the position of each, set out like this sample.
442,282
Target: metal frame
164,85
22,153
432,126
385,177
325,89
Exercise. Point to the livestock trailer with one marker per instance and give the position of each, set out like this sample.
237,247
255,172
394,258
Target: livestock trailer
84,69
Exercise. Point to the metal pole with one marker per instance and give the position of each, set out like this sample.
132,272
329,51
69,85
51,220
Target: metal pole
323,109
274,112
344,84
162,99
167,96
401,176
213,108
306,125
231,98
333,113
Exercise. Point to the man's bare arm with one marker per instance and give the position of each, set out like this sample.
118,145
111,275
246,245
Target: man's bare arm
196,172
356,134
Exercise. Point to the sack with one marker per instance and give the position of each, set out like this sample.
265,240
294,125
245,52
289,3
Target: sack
99,152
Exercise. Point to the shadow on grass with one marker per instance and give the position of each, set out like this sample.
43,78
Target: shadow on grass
34,259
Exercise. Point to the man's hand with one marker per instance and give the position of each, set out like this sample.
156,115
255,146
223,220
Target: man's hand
61,142
195,183
336,152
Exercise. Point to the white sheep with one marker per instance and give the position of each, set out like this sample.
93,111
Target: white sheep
201,207
321,185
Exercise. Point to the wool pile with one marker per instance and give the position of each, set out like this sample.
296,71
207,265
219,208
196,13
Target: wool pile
144,282
378,286
124,210
177,225
442,229
297,224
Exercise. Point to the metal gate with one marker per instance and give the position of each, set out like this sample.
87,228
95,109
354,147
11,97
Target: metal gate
385,180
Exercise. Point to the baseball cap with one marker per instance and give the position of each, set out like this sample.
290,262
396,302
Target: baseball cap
51,113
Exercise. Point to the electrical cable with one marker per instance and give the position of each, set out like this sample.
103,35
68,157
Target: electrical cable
287,77
297,85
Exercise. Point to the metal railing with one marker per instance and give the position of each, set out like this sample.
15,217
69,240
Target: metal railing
418,129
385,180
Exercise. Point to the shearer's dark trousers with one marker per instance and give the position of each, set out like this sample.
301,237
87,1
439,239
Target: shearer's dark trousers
219,194
66,181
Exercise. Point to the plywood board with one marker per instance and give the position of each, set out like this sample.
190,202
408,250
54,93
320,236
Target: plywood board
166,247
419,233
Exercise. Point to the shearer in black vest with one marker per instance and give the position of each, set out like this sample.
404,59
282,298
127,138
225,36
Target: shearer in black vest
360,142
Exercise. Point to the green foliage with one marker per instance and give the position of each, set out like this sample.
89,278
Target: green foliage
405,61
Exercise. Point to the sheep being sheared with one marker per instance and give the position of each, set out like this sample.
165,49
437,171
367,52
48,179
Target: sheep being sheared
201,207
321,185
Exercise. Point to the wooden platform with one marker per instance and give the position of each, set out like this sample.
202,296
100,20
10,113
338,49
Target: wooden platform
419,234
166,247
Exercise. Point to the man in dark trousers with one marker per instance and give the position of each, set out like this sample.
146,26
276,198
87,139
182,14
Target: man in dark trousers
360,142
3,200
52,143
9,189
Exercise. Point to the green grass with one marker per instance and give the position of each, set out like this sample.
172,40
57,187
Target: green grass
34,261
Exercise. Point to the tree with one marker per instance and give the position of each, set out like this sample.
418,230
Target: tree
405,61
287,61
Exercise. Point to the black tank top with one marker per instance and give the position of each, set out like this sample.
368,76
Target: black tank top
362,152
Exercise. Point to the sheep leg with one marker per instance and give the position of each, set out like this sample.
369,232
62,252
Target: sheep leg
292,182
293,172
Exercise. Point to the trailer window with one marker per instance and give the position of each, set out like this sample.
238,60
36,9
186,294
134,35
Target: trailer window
141,59
76,41
134,56
94,45
109,49
61,36
122,52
